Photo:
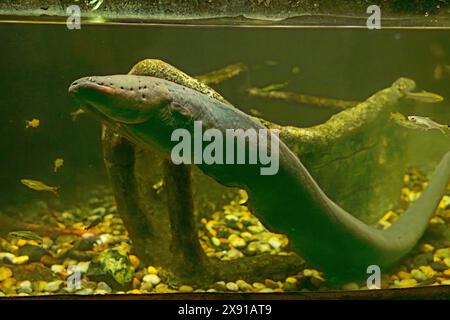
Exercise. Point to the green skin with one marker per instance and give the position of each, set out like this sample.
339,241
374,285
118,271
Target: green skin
146,110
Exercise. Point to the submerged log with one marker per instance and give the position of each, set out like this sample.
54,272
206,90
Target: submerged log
302,98
161,221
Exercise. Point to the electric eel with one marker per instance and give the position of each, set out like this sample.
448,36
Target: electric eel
147,110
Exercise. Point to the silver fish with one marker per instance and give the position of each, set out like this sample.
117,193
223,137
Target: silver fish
428,124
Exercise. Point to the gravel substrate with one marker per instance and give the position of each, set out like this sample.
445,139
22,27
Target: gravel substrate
103,260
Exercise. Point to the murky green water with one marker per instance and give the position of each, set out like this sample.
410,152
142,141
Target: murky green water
38,63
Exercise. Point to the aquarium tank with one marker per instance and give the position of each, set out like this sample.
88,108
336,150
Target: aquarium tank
167,149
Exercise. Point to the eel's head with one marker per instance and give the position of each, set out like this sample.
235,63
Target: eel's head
121,98
139,107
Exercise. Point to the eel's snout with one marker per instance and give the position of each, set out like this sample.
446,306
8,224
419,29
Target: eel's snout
97,84
121,98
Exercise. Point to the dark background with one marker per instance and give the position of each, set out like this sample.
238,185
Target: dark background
38,62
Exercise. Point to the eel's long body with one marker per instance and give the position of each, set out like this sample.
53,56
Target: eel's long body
147,110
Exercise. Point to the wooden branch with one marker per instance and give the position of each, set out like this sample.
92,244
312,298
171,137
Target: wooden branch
303,99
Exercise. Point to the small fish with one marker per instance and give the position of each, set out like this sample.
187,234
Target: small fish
295,70
39,186
26,235
273,87
57,164
428,124
33,123
271,62
424,96
77,113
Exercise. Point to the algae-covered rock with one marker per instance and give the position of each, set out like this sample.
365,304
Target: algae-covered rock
112,267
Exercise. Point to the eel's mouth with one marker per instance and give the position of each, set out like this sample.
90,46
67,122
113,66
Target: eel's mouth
82,88
87,83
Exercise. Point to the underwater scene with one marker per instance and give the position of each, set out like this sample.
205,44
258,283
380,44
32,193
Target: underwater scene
338,179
